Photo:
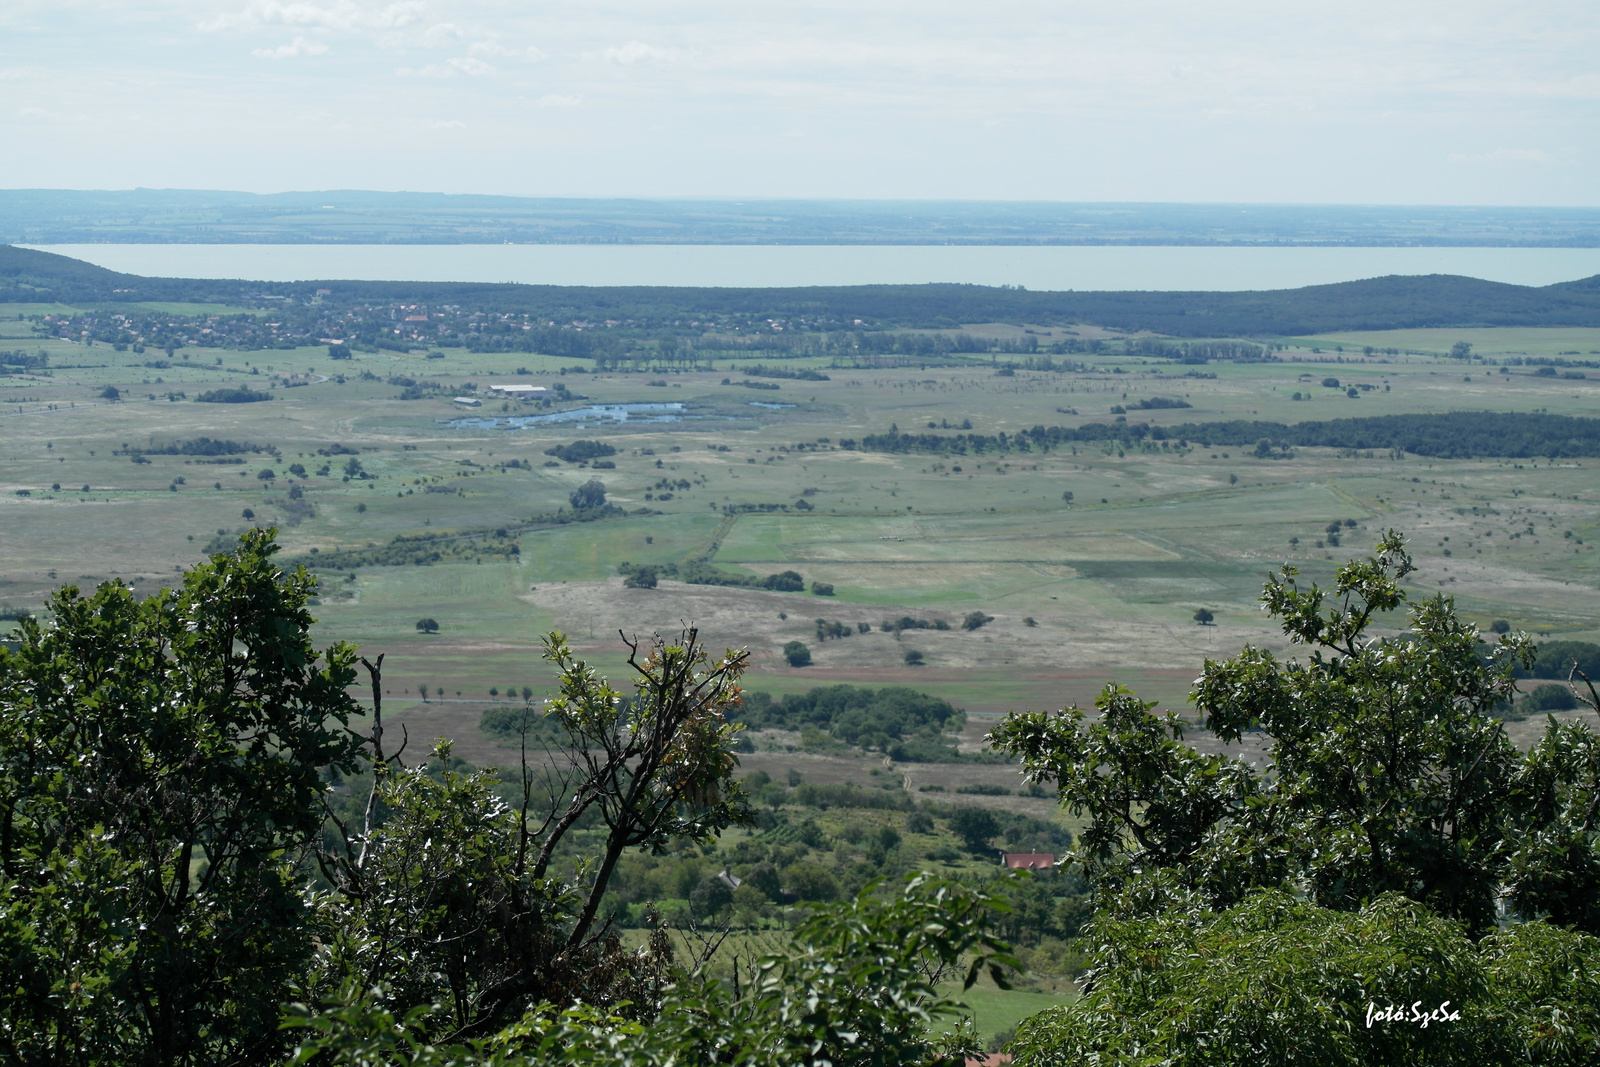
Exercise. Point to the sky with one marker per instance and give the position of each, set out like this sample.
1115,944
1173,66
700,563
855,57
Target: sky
1395,102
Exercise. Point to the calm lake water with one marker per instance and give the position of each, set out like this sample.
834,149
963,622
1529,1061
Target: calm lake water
1056,267
586,416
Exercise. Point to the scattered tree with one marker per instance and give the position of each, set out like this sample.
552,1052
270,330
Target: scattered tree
1204,617
975,827
591,494
427,626
797,654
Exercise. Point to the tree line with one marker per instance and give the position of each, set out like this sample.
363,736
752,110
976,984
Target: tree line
1395,302
1447,435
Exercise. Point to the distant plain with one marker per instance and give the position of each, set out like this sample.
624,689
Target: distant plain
1111,580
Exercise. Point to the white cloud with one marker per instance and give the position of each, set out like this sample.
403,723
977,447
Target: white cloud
1503,155
448,124
298,47
459,65
344,15
494,48
879,88
636,52
442,35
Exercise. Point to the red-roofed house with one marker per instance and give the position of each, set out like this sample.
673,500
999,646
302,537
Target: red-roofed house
1029,861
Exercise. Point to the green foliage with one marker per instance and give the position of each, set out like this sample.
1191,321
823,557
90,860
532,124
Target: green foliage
589,496
198,446
158,780
1554,866
449,896
1387,773
507,724
700,572
426,549
1549,697
848,795
1447,435
1555,660
1275,979
797,654
975,826
908,725
906,622
804,374
581,451
443,909
29,275
235,395
857,985
641,578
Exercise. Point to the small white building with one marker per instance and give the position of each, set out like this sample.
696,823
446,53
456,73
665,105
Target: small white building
469,401
519,390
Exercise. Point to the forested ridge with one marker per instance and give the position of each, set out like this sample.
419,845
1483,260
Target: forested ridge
1393,302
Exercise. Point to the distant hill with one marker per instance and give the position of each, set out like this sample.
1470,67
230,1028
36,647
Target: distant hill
1395,302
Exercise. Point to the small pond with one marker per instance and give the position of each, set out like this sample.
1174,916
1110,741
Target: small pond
584,416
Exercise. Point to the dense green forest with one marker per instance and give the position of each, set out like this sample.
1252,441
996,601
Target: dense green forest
214,852
1381,303
1448,435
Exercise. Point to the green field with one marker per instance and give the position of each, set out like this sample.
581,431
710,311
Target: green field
1574,341
1110,581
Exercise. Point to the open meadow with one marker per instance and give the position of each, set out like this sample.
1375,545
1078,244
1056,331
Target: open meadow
1091,559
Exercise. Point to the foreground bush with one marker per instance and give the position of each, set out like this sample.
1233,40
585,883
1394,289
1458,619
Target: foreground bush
857,986
1276,980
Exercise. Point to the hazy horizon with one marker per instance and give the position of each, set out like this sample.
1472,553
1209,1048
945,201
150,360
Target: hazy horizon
1153,102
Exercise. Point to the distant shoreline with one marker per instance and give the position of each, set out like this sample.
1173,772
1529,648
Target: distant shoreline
177,216
1036,268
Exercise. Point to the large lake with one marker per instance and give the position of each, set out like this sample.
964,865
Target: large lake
1052,267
